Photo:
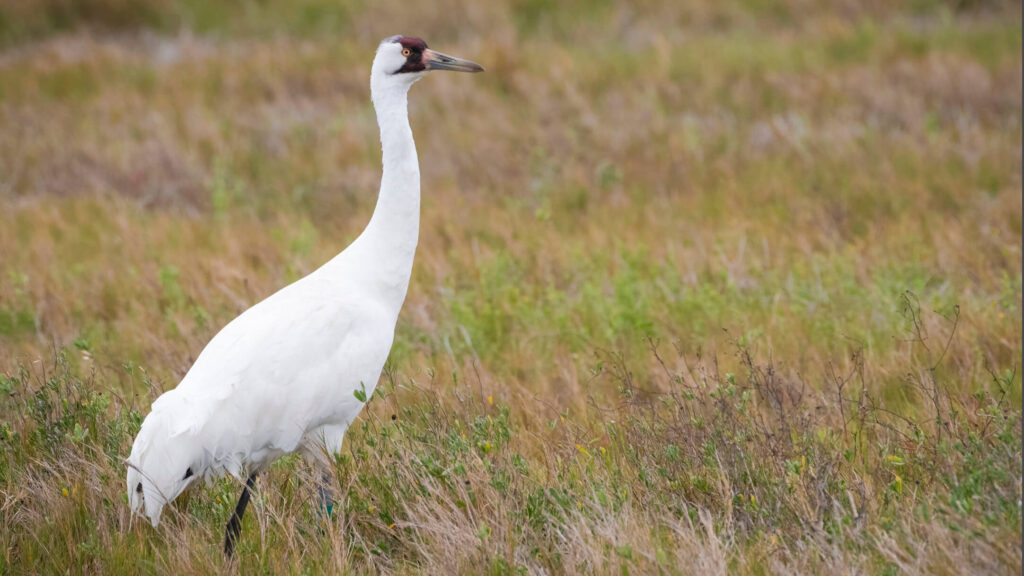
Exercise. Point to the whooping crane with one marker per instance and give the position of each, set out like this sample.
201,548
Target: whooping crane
281,376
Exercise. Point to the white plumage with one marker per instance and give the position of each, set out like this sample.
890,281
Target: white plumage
280,377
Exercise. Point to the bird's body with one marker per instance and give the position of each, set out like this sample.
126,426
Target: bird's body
278,378
282,376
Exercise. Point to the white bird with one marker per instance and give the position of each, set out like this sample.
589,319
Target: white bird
282,376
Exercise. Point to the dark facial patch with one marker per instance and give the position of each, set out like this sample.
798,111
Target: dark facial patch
413,48
138,488
188,473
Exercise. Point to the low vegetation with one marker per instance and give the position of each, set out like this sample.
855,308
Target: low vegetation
725,287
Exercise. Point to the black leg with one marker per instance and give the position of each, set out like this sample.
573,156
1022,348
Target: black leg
235,524
326,494
324,491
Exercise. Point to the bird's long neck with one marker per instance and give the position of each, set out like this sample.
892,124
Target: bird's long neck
388,244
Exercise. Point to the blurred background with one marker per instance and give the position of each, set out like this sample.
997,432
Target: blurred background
784,169
832,187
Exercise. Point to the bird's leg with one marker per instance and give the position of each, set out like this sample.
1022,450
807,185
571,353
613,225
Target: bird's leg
325,493
235,524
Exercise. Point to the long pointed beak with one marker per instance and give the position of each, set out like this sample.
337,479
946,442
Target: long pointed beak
439,61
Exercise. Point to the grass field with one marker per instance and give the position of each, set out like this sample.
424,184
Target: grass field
702,287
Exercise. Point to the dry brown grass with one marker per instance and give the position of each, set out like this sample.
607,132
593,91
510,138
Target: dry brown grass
694,251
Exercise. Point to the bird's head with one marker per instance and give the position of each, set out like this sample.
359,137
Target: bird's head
402,60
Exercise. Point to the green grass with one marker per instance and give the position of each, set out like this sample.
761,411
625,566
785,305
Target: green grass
727,287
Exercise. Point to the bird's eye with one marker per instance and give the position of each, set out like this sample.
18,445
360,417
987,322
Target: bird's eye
138,488
188,474
406,52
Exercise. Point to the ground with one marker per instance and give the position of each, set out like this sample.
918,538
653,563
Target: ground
702,287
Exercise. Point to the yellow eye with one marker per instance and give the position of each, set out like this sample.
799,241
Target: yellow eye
406,52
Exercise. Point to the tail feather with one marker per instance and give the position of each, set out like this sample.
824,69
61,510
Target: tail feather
158,464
